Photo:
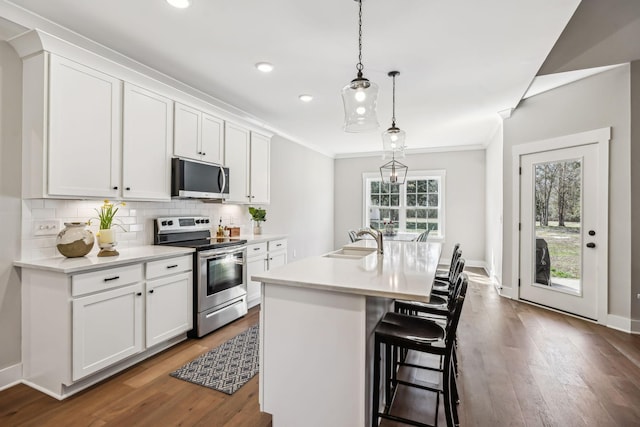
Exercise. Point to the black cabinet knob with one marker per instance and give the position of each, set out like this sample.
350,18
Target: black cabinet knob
151,291
115,188
591,245
139,293
592,233
128,188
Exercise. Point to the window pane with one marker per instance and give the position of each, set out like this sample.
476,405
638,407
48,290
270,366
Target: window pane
395,200
375,186
375,200
384,188
411,213
432,186
422,200
421,226
433,226
411,225
432,213
422,186
421,213
384,200
395,216
411,186
411,199
375,224
395,188
433,200
384,214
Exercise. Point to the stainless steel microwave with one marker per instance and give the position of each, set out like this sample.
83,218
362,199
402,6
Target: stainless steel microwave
196,180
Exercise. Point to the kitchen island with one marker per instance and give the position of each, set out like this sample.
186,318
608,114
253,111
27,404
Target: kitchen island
316,324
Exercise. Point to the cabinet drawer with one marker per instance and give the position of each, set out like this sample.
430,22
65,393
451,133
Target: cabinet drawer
257,249
277,245
96,281
164,267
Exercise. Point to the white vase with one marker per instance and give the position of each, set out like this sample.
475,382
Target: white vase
257,228
75,240
107,235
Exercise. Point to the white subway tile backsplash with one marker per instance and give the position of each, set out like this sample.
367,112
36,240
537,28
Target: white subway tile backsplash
136,217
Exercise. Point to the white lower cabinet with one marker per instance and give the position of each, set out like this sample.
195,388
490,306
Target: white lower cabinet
168,307
107,328
262,257
81,328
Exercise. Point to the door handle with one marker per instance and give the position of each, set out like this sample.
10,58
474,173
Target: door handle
591,245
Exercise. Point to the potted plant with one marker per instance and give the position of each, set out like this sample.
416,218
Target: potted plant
106,235
258,215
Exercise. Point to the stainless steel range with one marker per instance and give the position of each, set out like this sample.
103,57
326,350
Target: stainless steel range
219,266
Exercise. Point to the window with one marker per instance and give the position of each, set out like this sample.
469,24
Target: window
414,207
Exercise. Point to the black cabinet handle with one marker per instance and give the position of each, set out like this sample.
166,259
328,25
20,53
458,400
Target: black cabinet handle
199,152
115,188
172,266
592,233
279,244
128,188
204,154
108,279
151,291
591,245
256,249
139,293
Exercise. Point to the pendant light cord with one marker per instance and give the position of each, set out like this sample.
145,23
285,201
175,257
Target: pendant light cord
393,115
359,66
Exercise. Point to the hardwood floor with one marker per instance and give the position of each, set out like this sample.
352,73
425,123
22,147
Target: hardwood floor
520,365
145,395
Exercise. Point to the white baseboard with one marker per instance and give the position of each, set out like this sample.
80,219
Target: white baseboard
10,376
618,322
635,327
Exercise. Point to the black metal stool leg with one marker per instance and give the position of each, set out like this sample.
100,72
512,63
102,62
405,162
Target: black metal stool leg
376,384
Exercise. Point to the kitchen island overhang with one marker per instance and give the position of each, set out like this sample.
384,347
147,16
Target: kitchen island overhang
316,324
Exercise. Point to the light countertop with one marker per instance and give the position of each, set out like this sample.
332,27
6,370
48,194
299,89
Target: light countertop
60,264
405,271
260,238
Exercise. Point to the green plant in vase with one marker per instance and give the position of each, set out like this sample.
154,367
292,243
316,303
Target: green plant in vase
107,235
258,215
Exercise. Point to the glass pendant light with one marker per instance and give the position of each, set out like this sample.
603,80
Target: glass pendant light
393,138
393,172
360,96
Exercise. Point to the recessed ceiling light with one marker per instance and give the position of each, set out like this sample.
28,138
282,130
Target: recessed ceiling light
180,4
265,67
306,98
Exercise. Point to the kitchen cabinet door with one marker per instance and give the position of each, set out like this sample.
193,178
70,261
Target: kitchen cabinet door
277,259
169,304
259,175
84,131
186,141
212,137
107,328
255,265
236,158
147,140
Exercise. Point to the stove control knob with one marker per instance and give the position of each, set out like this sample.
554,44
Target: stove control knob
164,222
170,222
197,221
206,221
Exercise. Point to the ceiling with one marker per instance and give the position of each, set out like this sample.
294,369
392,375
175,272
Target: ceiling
460,61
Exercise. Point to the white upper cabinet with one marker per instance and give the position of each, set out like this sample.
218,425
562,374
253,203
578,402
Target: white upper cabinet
236,158
248,158
83,130
198,135
259,169
146,145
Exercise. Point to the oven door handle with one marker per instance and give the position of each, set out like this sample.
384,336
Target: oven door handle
217,252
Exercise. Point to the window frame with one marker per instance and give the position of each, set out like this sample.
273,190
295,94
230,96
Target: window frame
438,174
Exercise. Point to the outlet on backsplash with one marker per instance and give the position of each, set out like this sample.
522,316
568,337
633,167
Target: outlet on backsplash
50,227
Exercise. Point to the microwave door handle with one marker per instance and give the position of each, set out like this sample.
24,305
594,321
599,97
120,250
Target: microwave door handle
224,180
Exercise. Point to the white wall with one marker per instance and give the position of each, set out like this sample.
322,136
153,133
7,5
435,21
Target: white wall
464,197
494,172
635,194
10,190
599,101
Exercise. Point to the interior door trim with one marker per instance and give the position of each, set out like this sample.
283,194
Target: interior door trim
602,138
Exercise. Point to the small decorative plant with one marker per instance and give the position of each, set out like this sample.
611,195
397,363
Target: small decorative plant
107,213
258,214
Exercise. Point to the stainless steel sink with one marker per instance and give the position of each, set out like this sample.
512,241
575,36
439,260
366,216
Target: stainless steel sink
350,253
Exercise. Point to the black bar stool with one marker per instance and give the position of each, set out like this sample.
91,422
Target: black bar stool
400,332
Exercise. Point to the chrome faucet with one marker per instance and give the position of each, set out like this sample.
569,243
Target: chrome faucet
376,234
